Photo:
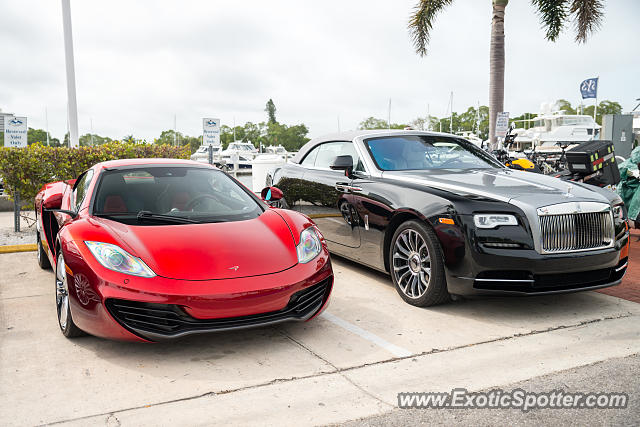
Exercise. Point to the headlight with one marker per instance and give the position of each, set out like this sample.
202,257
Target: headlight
493,220
117,259
309,246
618,212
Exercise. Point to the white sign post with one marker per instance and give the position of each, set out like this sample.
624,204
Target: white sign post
15,136
210,131
502,124
15,132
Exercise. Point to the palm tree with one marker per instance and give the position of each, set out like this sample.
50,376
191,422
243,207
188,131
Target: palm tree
554,15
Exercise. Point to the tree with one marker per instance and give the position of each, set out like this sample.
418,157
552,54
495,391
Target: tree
554,15
87,140
604,107
169,137
374,123
564,105
271,111
253,132
40,135
523,120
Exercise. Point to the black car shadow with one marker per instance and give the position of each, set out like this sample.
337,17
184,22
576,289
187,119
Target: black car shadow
575,307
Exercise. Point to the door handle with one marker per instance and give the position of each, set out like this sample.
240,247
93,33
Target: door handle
345,187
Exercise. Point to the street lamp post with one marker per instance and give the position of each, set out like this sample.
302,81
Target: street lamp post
72,106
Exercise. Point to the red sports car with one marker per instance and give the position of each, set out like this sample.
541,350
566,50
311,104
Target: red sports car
150,249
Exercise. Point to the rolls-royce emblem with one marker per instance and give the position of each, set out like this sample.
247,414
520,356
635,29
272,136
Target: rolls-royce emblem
234,268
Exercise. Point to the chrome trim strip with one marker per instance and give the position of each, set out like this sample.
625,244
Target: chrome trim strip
506,280
573,208
622,267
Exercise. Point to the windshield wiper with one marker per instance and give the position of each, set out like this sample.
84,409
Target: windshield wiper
113,214
148,215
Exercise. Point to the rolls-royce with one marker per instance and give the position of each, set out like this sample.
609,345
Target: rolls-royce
443,217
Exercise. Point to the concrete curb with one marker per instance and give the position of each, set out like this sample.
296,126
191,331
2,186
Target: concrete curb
7,249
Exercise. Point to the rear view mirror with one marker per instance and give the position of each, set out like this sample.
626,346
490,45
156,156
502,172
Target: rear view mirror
271,194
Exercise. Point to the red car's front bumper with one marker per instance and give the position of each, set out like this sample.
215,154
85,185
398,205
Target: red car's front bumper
118,306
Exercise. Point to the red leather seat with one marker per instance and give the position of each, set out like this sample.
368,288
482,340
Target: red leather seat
114,204
180,200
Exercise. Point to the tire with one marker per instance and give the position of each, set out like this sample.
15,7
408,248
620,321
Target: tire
65,321
43,260
416,265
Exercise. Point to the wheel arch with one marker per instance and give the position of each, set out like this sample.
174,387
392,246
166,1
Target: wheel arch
400,217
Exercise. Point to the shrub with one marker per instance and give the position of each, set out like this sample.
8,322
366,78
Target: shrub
28,169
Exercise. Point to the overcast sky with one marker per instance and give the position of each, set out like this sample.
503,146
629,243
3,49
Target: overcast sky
140,62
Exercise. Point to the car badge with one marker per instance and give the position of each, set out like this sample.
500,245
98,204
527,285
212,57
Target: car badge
234,268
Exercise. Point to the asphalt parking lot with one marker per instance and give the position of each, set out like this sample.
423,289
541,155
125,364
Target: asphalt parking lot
348,364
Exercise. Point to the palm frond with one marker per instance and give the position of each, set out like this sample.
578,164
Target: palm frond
421,22
588,17
553,15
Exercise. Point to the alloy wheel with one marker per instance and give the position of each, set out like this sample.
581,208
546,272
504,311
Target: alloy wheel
39,243
411,263
62,292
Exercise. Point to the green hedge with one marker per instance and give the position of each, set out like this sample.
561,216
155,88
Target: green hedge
28,169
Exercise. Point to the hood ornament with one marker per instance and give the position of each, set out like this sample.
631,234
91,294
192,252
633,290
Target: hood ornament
568,193
234,268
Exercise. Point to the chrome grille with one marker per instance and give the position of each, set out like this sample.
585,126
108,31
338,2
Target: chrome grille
576,231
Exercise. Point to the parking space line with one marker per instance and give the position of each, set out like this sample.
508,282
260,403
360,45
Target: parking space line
391,348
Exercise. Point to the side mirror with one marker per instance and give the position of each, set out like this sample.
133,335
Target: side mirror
53,201
72,214
271,194
343,163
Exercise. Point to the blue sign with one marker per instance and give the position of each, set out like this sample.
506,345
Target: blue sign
589,88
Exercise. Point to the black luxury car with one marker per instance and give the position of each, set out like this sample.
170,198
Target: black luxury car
443,217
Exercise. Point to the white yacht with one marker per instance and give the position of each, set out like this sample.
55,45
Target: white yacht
549,129
276,149
246,152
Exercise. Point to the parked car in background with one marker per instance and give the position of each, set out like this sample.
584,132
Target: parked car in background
442,217
152,249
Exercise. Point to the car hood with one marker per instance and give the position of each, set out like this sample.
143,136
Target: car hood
229,250
507,185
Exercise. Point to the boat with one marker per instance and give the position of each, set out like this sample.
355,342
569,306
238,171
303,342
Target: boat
202,153
245,151
552,128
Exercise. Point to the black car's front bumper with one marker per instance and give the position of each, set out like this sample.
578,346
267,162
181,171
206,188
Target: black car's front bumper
526,272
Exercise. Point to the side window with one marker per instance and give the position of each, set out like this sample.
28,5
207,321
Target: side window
324,154
327,154
80,191
310,159
348,149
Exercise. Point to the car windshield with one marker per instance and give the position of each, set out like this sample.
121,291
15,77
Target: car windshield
140,195
419,152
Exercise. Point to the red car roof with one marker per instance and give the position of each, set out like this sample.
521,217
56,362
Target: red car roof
134,162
